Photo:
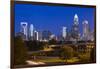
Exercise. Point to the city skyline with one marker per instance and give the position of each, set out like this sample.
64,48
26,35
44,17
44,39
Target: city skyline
49,34
52,20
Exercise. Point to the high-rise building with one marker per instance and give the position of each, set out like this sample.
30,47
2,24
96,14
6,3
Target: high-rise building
86,30
36,35
40,35
75,28
68,35
31,31
92,35
64,32
24,30
76,19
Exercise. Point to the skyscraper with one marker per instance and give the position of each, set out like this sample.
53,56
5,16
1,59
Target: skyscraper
76,20
31,31
40,35
24,30
75,28
92,35
36,35
86,30
64,32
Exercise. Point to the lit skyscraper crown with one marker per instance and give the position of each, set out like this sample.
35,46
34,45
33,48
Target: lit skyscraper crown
85,22
75,16
76,19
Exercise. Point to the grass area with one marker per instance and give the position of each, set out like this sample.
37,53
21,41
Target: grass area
72,60
49,60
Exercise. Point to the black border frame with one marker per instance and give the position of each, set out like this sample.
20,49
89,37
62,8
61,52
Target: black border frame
42,3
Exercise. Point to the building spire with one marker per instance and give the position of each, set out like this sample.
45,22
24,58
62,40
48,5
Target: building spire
76,19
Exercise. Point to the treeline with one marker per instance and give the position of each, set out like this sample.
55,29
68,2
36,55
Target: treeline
34,45
19,55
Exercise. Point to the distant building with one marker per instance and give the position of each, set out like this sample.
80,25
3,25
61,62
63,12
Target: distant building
76,19
92,35
36,35
86,31
31,32
64,32
24,30
40,35
75,28
68,37
59,38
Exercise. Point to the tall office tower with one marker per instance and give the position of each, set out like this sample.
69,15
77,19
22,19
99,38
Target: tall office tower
24,30
86,30
31,31
40,35
75,28
68,35
64,32
92,35
59,37
36,35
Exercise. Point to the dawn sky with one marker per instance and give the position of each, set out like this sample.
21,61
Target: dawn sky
52,18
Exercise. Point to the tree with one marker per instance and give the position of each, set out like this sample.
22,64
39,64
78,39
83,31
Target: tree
52,41
20,51
34,45
93,55
66,52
